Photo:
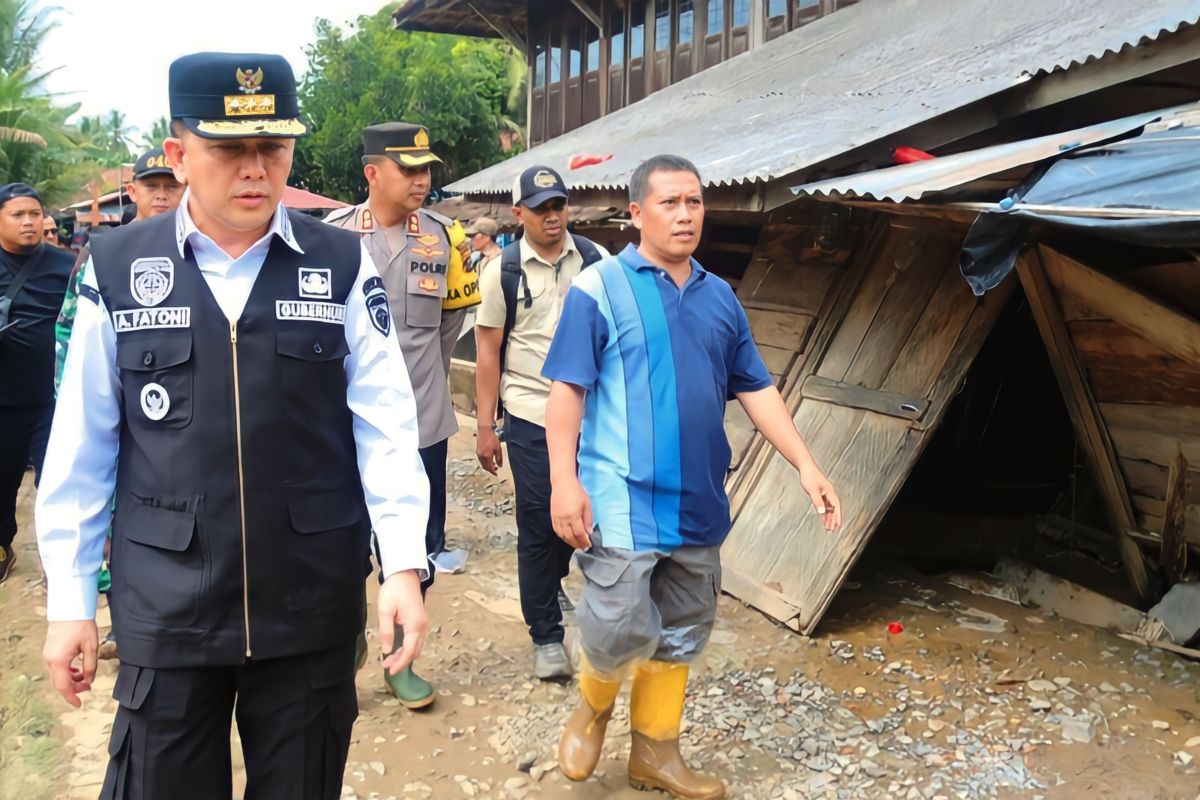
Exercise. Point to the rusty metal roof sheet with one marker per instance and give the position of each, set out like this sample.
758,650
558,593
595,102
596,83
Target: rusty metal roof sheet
849,79
913,181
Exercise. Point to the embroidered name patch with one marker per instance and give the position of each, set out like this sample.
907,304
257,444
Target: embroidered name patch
149,319
377,305
333,313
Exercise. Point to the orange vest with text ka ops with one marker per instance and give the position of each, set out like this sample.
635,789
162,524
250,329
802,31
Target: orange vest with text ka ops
462,279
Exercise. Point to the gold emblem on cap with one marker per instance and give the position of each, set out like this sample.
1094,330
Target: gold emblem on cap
252,127
421,139
544,180
237,105
250,80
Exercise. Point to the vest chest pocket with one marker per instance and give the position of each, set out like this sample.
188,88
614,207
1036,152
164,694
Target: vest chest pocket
156,379
313,370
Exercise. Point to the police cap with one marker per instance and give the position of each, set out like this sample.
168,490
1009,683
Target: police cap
235,95
150,163
403,142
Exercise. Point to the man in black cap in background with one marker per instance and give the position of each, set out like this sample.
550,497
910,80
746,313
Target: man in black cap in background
153,190
233,379
523,289
413,249
33,277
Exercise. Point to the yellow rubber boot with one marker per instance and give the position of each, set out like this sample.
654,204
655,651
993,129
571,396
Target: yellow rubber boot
656,711
583,736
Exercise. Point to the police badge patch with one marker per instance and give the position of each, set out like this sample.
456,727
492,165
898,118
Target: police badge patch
155,401
377,305
151,280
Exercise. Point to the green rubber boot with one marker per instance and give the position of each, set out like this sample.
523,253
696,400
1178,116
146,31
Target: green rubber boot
408,687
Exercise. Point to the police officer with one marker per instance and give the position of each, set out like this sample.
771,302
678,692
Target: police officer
33,277
412,248
233,378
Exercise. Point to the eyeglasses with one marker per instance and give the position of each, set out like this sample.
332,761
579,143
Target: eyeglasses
557,204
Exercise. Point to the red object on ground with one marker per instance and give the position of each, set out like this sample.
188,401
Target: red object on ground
910,155
895,628
587,160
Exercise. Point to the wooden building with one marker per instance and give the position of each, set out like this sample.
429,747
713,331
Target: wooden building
858,306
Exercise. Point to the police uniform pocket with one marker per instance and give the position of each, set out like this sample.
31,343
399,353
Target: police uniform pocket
159,569
156,379
423,305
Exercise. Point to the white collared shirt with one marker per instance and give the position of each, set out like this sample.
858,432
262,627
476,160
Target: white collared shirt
73,511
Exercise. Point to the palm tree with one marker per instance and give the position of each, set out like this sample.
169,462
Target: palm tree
160,130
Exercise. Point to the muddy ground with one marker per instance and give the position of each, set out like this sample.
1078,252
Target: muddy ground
1043,708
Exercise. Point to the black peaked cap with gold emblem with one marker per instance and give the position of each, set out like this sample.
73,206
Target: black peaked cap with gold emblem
403,142
235,95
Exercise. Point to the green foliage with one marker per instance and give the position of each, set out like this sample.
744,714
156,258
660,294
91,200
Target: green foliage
455,86
159,131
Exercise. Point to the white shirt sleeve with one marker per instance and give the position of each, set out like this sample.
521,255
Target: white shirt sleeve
381,398
73,510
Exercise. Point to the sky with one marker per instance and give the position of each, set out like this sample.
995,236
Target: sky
114,54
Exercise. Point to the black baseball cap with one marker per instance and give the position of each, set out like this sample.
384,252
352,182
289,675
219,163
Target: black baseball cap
235,95
11,191
536,185
403,142
152,162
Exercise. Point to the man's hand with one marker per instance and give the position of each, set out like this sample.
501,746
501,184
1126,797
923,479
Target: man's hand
66,641
489,450
400,604
824,498
571,513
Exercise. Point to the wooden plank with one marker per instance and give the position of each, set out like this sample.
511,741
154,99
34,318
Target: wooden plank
786,330
777,360
1154,446
924,355
1150,480
1176,283
1183,420
791,284
892,404
1174,545
1176,333
1085,417
748,590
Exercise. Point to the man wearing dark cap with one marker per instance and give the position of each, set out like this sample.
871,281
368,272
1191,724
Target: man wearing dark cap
33,277
153,190
523,290
412,249
233,379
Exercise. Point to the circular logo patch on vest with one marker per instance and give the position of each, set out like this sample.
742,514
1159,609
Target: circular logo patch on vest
155,401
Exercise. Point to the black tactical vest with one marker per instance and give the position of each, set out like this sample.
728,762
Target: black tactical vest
240,529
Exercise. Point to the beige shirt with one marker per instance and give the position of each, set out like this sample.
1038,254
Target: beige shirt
522,386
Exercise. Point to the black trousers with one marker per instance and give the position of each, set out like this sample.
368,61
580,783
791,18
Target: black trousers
543,560
170,737
434,458
24,431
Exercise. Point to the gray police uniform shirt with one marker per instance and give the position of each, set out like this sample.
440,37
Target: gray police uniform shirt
415,279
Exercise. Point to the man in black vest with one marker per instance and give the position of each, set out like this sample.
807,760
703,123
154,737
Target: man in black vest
233,378
33,278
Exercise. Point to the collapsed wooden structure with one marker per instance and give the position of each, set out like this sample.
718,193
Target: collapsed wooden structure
857,301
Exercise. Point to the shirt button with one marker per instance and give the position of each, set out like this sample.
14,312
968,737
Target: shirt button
147,358
317,348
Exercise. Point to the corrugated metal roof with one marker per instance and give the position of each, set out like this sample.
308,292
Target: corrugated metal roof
912,181
849,79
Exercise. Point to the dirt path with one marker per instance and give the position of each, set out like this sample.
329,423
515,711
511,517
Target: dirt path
939,710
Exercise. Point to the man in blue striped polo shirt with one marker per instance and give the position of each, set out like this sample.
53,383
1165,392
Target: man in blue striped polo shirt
649,349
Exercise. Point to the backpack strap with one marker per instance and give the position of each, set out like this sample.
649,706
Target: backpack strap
587,250
510,284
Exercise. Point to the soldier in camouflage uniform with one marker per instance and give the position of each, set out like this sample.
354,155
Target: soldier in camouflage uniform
153,191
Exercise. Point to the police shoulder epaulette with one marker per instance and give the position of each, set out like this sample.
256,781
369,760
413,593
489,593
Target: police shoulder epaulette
339,214
441,219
